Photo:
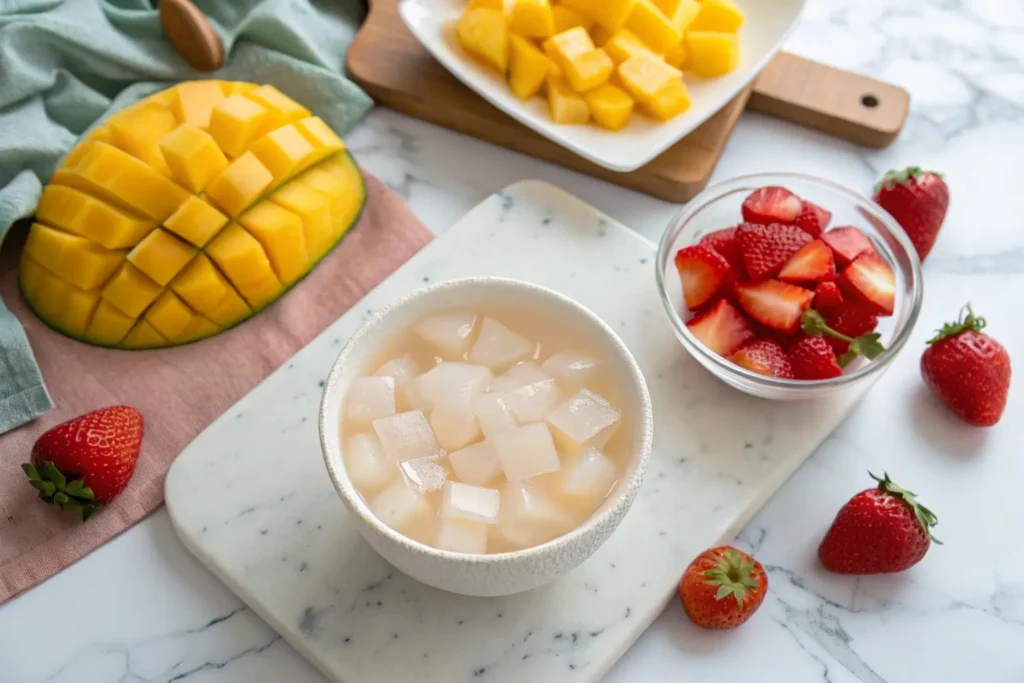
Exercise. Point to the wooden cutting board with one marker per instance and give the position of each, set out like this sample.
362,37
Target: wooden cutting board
390,64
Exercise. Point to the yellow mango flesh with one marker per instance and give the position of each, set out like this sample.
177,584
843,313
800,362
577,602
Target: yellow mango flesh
187,214
652,27
712,53
528,68
567,18
610,107
625,45
658,87
718,15
611,14
498,5
680,12
532,19
589,70
484,34
565,104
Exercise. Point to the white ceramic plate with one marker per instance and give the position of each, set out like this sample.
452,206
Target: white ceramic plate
768,23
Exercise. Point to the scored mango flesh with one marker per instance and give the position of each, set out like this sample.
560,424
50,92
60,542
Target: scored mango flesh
186,214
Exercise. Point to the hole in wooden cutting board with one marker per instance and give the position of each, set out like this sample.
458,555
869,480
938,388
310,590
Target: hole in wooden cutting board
869,101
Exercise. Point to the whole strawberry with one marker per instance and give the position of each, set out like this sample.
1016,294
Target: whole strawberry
968,370
722,588
918,200
82,464
879,531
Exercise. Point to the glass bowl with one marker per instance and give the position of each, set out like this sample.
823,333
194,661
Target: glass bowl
719,207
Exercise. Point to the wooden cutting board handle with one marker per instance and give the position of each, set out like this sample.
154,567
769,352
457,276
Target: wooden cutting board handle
841,103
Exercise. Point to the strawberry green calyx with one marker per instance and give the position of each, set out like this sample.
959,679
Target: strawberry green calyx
866,345
925,517
733,575
901,176
71,496
967,321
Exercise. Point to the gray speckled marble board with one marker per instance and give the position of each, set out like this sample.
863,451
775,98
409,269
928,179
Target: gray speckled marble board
252,499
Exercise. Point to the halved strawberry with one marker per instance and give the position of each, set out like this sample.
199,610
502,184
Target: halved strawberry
850,318
766,248
701,272
775,304
722,328
764,356
813,358
848,243
813,219
870,280
771,205
827,298
813,263
724,242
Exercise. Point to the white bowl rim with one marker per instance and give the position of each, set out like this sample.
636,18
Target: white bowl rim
621,498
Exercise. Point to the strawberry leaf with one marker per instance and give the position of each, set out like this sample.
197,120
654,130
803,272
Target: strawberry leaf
967,321
925,517
53,486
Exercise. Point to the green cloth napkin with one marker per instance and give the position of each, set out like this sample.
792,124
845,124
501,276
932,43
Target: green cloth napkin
65,64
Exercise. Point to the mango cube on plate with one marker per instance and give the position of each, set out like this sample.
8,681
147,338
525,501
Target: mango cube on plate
484,34
625,45
718,15
657,86
586,420
367,466
532,19
589,70
712,53
454,386
565,104
406,436
528,68
448,332
650,24
499,347
526,452
567,18
370,398
680,12
610,106
477,464
473,503
610,14
399,506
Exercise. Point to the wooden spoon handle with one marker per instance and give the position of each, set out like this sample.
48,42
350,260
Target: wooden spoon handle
191,34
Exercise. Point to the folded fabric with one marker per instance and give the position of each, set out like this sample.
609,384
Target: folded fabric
65,64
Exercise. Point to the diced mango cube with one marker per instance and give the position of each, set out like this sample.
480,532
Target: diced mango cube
678,56
231,311
333,185
712,53
138,131
285,108
235,122
82,214
610,107
314,208
50,297
600,35
199,328
589,70
484,33
565,104
169,315
108,325
236,87
196,221
567,18
652,27
611,14
81,262
528,68
284,152
532,19
347,199
161,256
143,336
320,135
656,85
193,156
498,5
240,184
101,134
279,232
119,177
78,309
193,101
201,285
79,152
130,290
680,12
625,45
32,277
718,15
241,258
165,98
567,46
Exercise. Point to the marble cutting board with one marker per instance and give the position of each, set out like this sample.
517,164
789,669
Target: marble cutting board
252,499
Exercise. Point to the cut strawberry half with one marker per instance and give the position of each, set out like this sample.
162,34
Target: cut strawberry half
724,242
775,304
701,272
813,219
871,281
766,248
772,204
827,298
848,243
765,357
722,328
849,318
813,263
813,358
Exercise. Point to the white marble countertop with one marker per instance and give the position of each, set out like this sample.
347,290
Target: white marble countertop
141,609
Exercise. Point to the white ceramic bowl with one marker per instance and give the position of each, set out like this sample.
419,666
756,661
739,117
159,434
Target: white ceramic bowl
503,573
767,25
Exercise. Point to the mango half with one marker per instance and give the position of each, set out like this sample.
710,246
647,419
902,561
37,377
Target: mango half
186,214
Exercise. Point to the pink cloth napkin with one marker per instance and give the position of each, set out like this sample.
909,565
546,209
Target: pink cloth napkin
179,391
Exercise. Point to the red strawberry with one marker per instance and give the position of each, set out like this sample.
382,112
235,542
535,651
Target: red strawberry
722,588
813,263
827,298
870,280
82,464
764,356
721,328
866,345
701,272
772,205
879,531
724,242
813,219
847,243
813,358
918,200
968,370
774,303
852,320
766,248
